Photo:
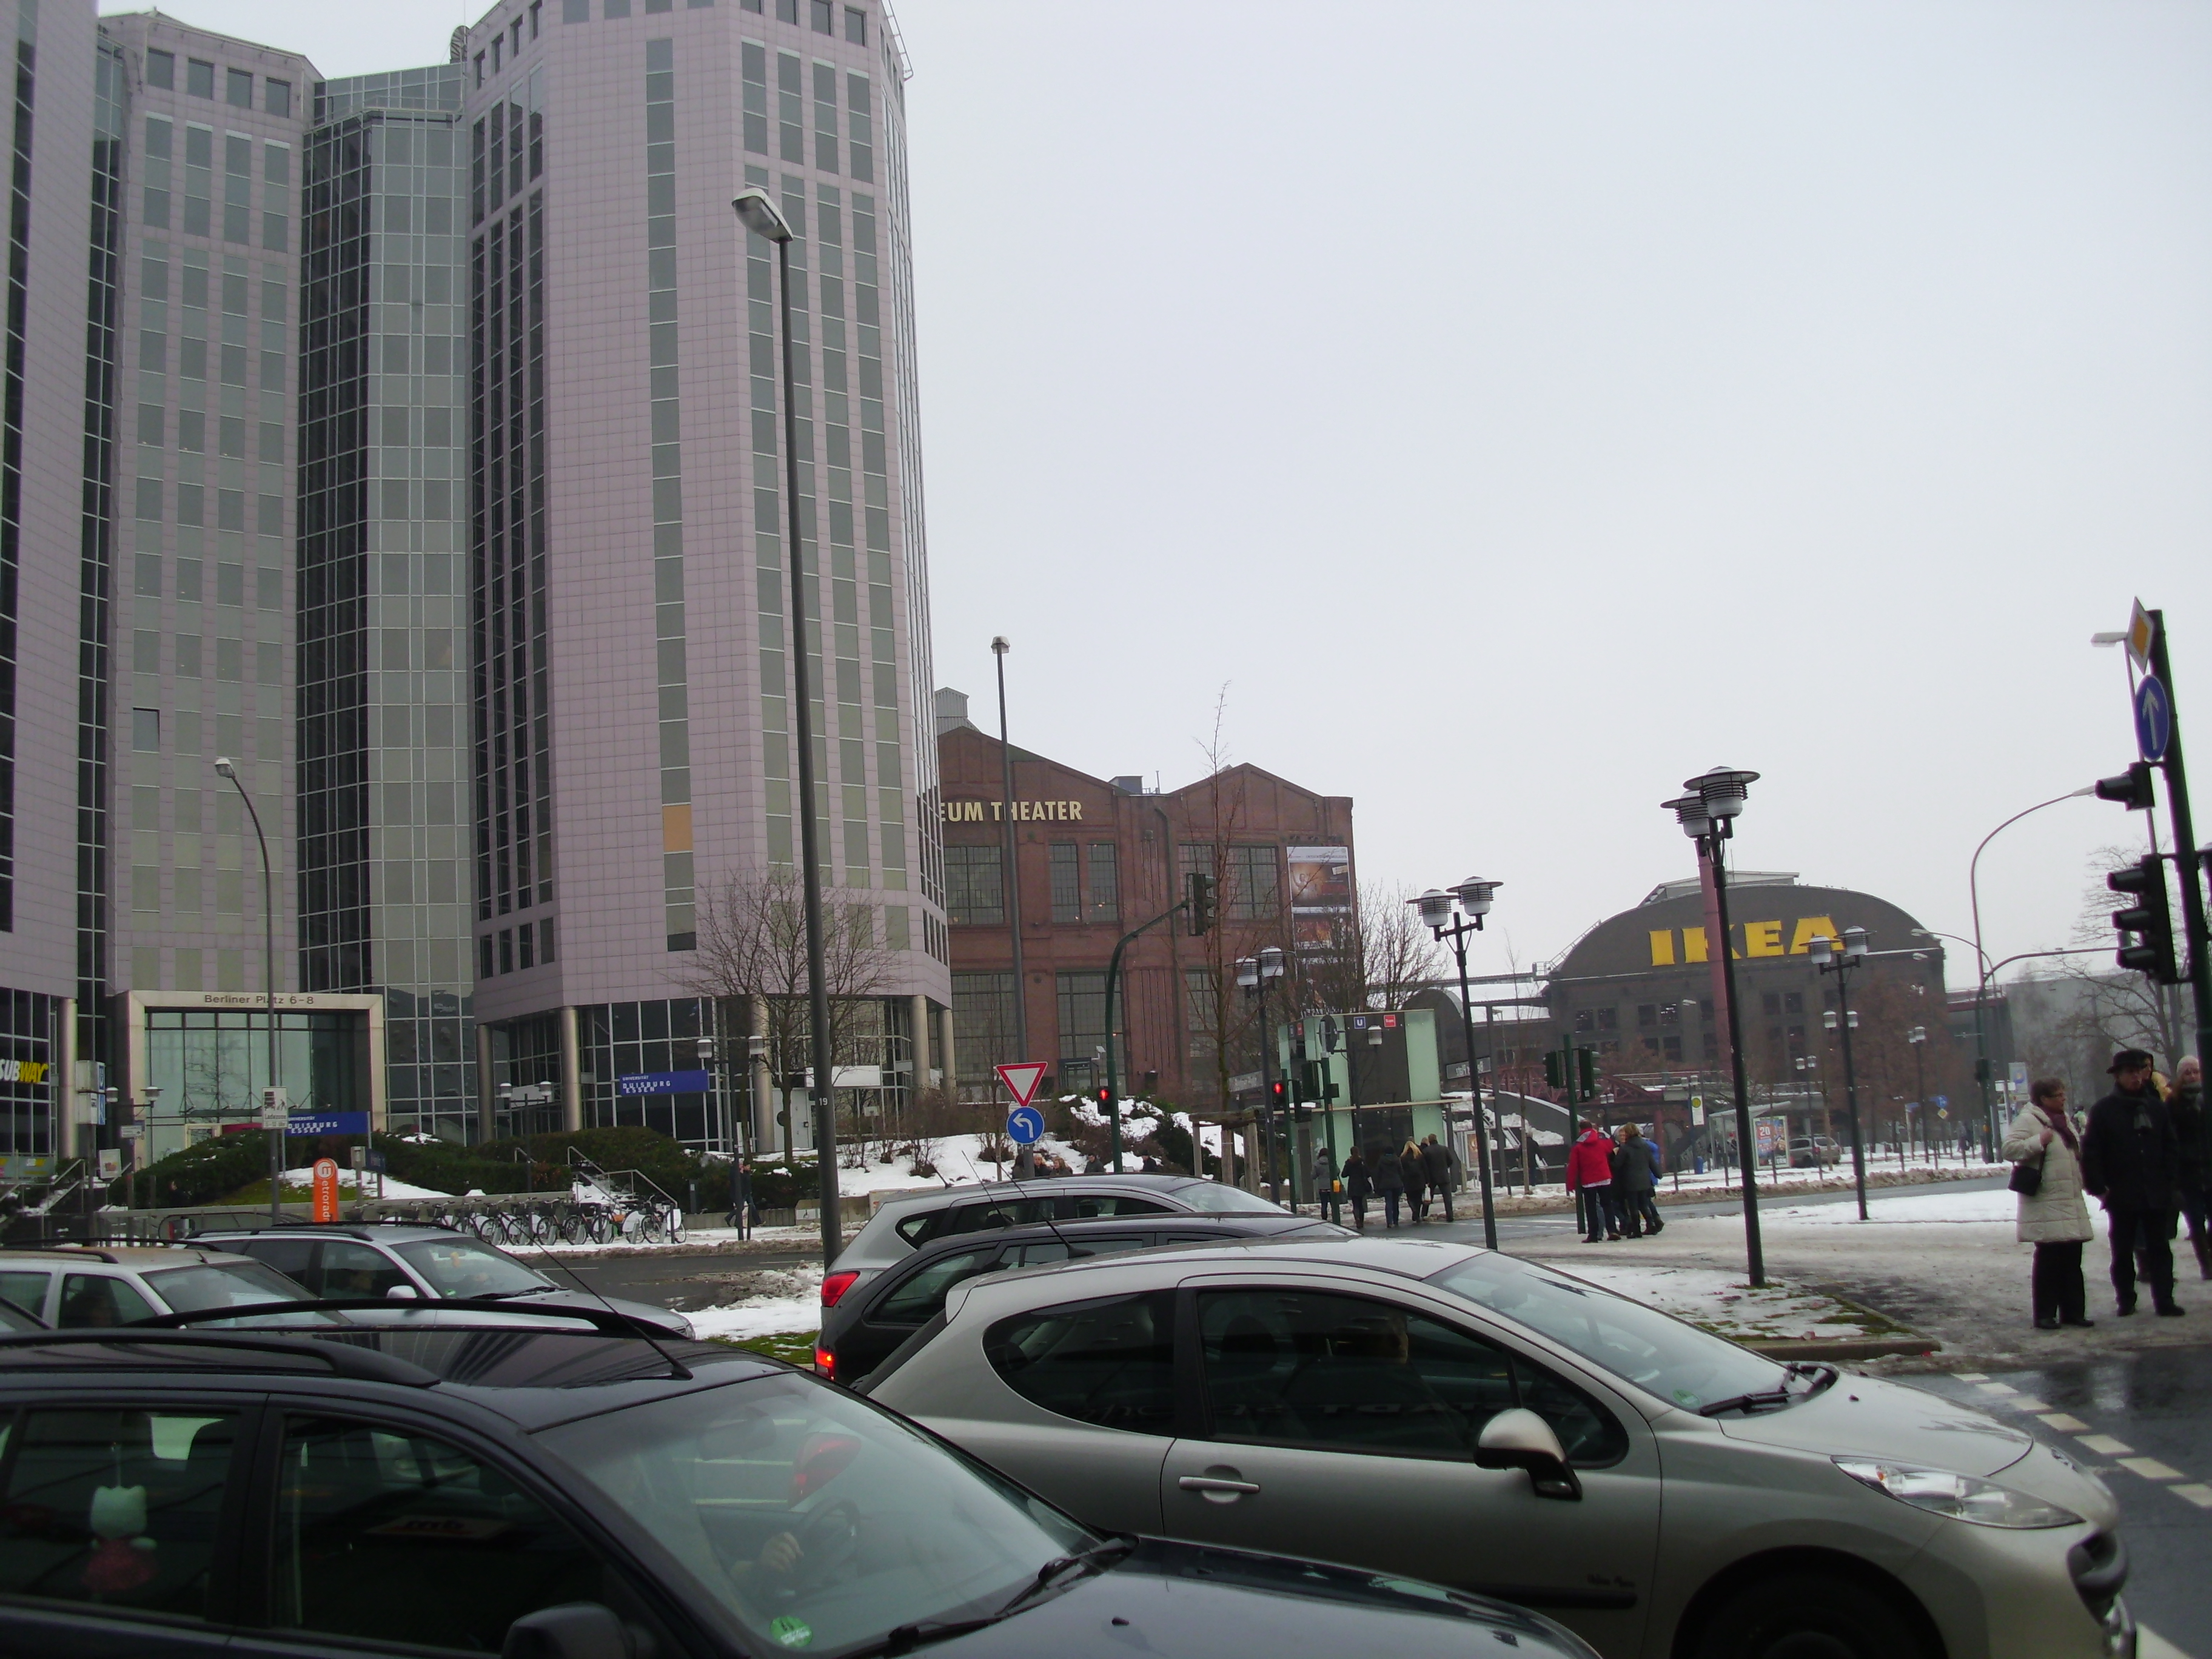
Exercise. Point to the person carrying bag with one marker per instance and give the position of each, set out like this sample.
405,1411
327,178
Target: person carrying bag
2045,1150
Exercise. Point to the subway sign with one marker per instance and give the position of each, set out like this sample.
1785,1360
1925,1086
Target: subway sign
1671,945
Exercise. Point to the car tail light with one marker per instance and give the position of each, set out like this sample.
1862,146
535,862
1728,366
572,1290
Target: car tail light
834,1285
825,1363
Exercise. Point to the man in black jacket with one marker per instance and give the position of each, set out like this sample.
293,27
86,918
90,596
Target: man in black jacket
2192,1132
2130,1158
1441,1163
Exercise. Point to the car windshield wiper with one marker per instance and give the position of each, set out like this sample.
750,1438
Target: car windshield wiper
902,1637
1771,1399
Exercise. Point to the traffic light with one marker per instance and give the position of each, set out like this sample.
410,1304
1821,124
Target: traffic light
2148,920
2131,788
1554,1074
1586,1069
1279,1094
1200,897
1104,1096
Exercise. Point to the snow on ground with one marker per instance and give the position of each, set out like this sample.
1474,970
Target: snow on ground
393,1188
783,1300
1726,1303
1987,1208
960,1160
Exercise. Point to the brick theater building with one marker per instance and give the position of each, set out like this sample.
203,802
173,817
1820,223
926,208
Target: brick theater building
1098,857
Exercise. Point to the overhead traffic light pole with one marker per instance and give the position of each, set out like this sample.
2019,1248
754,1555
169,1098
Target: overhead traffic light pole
2186,859
1198,901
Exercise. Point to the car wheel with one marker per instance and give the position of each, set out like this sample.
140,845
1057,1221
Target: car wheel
1807,1615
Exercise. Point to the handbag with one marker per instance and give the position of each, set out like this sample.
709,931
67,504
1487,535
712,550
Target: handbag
2027,1178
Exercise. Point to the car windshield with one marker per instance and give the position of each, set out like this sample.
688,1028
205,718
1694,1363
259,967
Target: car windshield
1212,1198
814,1520
230,1285
1657,1352
461,1266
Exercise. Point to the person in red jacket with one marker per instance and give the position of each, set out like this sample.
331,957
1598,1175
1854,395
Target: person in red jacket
1590,1178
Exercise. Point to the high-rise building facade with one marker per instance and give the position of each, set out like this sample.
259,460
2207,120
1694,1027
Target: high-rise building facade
630,567
414,441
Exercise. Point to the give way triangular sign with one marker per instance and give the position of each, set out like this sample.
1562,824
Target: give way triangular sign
1021,1077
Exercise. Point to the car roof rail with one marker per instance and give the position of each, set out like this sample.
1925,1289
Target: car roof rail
75,1252
607,1321
346,1359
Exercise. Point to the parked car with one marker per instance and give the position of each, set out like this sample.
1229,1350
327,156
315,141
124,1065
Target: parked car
75,1287
405,1262
1813,1151
872,1320
555,1494
1460,1416
906,1223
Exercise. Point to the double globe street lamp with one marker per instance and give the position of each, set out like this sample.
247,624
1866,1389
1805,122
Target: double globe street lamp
1472,897
1707,815
1829,960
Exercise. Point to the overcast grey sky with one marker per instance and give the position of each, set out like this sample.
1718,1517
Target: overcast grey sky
1519,408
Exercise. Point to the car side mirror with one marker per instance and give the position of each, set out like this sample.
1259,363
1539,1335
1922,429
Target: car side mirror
574,1630
402,1293
1519,1439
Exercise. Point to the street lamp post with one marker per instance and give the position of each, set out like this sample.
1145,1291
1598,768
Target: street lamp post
1473,897
757,212
998,649
1918,1036
1829,960
1707,814
224,768
1255,974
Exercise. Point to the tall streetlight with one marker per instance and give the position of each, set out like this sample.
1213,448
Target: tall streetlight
1982,958
1829,960
273,1097
1707,814
1255,974
1918,1036
1473,897
757,213
998,649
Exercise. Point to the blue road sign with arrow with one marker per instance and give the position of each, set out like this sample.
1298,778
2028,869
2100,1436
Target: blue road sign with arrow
2154,719
1025,1126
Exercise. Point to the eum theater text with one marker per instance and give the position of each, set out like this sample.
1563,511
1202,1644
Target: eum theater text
1025,812
1670,945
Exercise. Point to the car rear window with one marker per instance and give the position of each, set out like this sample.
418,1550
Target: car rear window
1108,1363
222,1285
1212,1198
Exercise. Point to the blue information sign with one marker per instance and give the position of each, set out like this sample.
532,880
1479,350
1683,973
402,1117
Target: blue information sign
2153,718
328,1123
664,1083
1025,1126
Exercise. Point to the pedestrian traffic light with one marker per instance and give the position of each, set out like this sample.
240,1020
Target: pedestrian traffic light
1586,1070
2131,788
2150,950
1104,1095
1553,1073
1198,896
1279,1094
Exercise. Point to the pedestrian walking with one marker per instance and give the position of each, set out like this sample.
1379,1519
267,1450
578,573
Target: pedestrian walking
2192,1134
1634,1175
2129,1160
1415,1173
1389,1178
1331,1190
2045,1137
1590,1178
1358,1186
1443,1164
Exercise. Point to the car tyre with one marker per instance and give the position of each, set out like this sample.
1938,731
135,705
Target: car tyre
1810,1615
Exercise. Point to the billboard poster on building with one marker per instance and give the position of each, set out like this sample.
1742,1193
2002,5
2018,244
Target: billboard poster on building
1321,898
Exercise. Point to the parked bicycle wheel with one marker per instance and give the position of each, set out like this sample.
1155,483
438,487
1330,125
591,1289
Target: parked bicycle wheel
601,1227
650,1226
568,1222
675,1223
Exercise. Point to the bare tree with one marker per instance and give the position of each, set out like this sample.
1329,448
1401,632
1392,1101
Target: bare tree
752,953
2115,1008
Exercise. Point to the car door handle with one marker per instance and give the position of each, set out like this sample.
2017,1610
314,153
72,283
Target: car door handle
1214,1486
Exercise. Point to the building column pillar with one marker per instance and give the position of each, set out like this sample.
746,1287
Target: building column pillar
572,1072
61,1081
486,1097
918,1022
949,1055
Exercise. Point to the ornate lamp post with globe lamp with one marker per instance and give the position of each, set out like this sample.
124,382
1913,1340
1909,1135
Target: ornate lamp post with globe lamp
1707,814
1253,975
1473,897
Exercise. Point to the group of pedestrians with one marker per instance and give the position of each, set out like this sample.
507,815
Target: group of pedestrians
2146,1154
1612,1178
1419,1174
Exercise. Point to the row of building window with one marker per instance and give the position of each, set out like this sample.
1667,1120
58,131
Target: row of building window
511,949
200,79
822,15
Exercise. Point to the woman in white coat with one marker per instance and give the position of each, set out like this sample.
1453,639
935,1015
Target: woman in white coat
2053,1218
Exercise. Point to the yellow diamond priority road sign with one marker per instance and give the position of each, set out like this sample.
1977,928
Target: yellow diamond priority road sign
2139,638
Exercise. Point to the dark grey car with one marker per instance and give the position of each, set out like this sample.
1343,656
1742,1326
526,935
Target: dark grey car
872,1321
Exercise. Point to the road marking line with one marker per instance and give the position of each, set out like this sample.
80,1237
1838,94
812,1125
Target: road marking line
1996,1388
1972,1377
2196,1492
2104,1445
2063,1424
2150,1469
2024,1403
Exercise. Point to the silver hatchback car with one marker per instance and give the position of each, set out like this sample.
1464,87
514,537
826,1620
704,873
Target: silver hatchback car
1466,1417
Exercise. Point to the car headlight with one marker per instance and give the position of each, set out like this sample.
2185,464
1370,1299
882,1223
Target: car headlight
1960,1497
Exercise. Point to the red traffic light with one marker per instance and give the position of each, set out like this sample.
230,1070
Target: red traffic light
1278,1092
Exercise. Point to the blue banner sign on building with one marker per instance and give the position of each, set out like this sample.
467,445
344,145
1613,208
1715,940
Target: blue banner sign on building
663,1083
329,1123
